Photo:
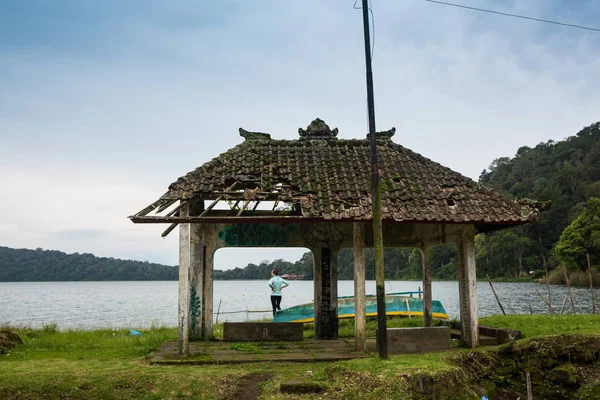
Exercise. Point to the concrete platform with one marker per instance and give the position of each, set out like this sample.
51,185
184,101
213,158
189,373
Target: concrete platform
219,352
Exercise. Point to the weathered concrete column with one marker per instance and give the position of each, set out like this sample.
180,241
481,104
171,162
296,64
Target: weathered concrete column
207,293
427,297
325,281
360,318
467,284
183,345
198,261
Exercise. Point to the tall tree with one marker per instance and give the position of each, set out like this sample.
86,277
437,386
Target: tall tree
581,237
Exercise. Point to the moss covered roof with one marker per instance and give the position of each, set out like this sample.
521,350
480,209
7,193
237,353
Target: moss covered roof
330,179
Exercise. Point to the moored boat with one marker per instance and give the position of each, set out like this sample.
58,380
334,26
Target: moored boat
399,303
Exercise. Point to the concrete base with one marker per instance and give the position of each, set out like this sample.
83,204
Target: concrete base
418,340
262,331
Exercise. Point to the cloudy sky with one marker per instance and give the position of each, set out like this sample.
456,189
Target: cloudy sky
104,103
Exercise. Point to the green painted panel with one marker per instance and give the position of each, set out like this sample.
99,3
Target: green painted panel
256,235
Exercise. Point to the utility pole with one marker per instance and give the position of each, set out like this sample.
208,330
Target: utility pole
375,197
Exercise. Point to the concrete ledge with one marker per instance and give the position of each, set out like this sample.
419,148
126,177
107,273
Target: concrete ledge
502,335
418,340
262,331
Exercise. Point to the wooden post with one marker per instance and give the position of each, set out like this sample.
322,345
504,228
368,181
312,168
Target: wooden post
325,281
467,284
207,294
427,295
548,285
569,289
544,300
183,344
497,299
564,303
529,391
591,283
360,318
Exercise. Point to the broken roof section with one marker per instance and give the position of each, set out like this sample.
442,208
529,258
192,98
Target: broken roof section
321,177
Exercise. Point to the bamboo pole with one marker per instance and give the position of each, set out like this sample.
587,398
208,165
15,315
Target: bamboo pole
529,391
569,288
218,310
591,283
548,286
497,299
375,196
564,303
542,297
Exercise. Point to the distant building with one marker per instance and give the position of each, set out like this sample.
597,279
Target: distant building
293,277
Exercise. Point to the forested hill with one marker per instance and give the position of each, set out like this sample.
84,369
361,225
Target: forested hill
567,173
23,265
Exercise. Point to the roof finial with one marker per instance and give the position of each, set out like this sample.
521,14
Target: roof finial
254,135
318,129
383,135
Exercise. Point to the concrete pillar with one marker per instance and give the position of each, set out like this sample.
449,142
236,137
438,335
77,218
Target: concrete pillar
207,294
198,261
183,345
360,318
325,281
427,297
467,284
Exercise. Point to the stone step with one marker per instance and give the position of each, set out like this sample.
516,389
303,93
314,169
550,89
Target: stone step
484,340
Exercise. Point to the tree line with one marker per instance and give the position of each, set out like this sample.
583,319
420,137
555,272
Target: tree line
24,265
565,172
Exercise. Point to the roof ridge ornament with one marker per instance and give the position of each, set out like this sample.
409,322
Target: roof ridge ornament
383,135
318,129
254,135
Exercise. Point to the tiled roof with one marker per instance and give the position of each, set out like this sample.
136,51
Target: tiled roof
330,179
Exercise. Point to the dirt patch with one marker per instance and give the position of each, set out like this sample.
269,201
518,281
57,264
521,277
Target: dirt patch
8,340
246,387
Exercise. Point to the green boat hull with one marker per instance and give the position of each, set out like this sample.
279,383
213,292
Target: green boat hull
395,304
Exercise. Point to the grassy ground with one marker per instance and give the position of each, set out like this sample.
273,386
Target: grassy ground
105,364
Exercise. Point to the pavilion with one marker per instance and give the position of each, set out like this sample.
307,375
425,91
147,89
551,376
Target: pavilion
314,192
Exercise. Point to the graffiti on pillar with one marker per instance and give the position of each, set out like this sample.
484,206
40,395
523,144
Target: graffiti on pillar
195,308
327,329
256,235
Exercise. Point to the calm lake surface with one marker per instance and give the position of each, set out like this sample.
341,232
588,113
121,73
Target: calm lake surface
86,305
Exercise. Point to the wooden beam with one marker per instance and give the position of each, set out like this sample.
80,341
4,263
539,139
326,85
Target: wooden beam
243,207
210,206
157,203
166,205
169,229
176,209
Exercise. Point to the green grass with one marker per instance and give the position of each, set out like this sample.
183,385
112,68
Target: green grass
106,363
540,325
249,347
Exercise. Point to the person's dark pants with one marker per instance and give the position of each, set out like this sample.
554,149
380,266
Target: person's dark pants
276,303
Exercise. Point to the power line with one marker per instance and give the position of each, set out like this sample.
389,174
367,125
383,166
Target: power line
514,15
370,8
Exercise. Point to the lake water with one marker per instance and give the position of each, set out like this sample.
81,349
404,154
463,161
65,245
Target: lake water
86,305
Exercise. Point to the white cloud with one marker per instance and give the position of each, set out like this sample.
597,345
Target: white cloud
86,141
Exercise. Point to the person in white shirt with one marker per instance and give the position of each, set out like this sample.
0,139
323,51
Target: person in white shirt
276,283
